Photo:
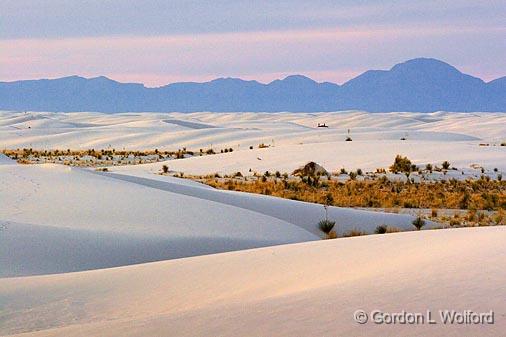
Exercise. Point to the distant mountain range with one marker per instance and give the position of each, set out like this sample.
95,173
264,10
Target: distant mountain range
420,84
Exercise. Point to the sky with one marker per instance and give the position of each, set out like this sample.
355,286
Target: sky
157,42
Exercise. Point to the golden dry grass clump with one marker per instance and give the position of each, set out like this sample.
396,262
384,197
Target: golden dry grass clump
481,194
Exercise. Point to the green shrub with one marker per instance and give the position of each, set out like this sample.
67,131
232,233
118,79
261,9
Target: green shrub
401,164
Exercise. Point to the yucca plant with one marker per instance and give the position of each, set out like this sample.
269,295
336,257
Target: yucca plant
326,226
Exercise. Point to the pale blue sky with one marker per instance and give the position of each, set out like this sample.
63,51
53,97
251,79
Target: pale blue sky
156,42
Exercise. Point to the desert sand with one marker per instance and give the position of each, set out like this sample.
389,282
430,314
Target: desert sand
134,253
306,289
294,138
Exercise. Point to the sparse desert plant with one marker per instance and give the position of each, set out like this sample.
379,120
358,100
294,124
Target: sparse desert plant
381,192
446,165
465,200
381,229
401,164
353,175
348,139
500,218
471,215
354,232
454,222
326,226
392,229
433,213
418,223
359,172
165,168
329,201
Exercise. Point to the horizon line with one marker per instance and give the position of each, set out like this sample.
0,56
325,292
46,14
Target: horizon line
241,79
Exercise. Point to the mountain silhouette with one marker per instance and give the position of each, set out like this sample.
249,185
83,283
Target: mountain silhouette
421,84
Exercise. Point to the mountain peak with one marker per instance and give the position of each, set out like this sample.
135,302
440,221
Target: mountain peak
101,78
301,78
227,80
425,64
298,79
294,81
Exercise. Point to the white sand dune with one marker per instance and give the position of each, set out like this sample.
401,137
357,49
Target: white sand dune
76,224
60,219
294,137
53,213
308,289
238,130
336,155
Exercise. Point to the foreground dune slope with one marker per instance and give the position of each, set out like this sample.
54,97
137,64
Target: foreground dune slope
305,289
57,219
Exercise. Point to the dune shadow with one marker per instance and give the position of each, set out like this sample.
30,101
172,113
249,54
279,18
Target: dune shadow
34,250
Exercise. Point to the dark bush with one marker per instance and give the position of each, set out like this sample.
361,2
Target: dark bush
418,223
381,229
326,226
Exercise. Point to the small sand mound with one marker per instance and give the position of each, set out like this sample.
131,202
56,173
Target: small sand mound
310,169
